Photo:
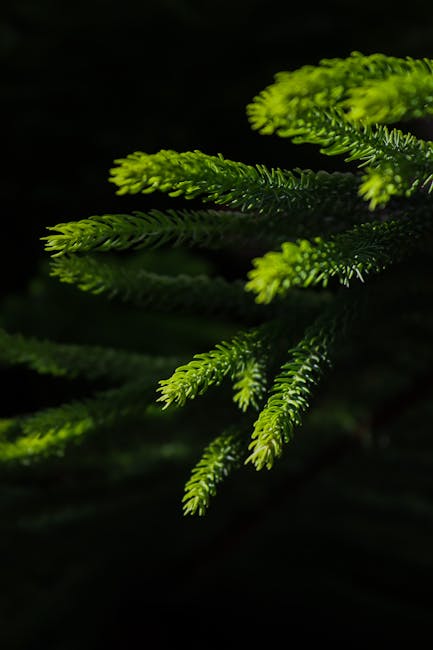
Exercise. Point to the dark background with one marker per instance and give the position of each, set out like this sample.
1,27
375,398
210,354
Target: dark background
83,83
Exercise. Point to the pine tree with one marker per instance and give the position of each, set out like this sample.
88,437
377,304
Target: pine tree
340,258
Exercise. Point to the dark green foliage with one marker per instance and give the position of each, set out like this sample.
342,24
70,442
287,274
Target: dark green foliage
91,362
332,229
130,282
48,431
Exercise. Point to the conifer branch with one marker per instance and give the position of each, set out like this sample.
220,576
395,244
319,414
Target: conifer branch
220,458
326,224
292,389
373,88
211,228
334,105
397,163
368,248
91,362
131,283
237,185
48,431
147,230
401,96
227,359
251,381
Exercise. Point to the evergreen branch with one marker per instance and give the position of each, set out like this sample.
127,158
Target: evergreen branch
368,248
401,96
48,431
220,458
374,87
333,105
147,230
91,362
251,382
340,105
237,185
129,282
329,212
397,163
291,392
289,399
210,368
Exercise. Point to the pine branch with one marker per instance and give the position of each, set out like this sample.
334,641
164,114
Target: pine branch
129,282
211,228
251,381
227,359
368,248
292,389
398,163
237,185
328,228
147,230
289,399
48,431
333,105
219,459
91,362
374,88
407,95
